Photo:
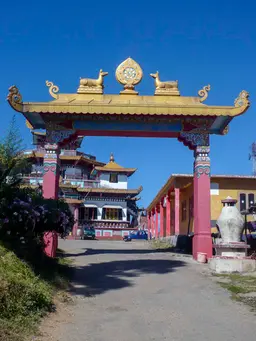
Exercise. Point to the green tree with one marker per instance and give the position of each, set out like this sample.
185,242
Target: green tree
12,159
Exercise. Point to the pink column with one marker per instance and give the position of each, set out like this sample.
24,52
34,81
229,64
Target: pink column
156,223
50,191
149,224
177,211
168,216
51,172
202,241
161,218
152,224
76,218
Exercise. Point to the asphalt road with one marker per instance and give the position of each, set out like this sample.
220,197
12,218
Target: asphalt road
124,291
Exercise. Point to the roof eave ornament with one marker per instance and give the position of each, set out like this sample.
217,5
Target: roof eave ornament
203,93
15,99
53,89
242,100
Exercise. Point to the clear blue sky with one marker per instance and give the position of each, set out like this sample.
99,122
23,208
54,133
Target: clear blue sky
196,42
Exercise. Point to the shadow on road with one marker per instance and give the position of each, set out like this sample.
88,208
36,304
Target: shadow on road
89,251
95,279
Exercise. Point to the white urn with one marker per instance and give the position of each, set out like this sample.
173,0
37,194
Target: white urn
230,222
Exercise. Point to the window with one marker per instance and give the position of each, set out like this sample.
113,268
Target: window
213,223
214,188
191,207
183,210
90,213
246,200
242,201
113,177
112,214
81,213
250,199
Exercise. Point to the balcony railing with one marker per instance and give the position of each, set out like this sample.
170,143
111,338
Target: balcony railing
68,152
103,224
83,183
32,179
76,181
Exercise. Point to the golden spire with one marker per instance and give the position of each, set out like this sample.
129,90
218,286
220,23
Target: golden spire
112,159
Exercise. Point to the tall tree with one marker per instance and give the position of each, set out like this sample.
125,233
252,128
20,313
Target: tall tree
12,159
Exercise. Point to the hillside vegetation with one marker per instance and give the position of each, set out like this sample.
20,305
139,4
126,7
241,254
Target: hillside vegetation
26,294
28,278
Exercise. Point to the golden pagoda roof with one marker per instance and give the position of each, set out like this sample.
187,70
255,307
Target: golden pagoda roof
103,104
159,111
112,166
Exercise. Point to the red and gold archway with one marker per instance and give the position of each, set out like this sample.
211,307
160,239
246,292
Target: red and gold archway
90,112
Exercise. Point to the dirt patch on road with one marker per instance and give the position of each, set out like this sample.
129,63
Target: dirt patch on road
49,328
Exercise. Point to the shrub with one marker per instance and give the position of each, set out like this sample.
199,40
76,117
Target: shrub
24,297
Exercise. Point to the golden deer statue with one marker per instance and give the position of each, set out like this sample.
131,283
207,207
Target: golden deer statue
164,85
88,84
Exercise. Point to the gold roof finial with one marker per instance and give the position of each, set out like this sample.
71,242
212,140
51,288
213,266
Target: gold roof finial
112,159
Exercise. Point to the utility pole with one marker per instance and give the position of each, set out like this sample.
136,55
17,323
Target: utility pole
252,156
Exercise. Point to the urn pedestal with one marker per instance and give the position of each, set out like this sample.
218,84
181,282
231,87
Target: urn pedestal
230,252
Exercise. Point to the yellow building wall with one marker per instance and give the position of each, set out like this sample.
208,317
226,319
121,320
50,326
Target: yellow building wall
186,224
227,187
232,188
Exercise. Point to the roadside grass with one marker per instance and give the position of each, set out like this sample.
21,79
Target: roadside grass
27,292
241,287
160,245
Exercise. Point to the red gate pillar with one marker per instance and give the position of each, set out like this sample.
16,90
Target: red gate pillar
51,191
51,172
156,223
177,211
161,218
168,216
202,241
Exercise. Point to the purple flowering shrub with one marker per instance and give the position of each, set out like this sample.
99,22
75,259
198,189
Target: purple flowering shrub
28,215
24,214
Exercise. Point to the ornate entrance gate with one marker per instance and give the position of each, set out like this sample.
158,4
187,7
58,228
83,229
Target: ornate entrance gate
90,112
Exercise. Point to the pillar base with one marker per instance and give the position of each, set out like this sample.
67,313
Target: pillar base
202,243
51,243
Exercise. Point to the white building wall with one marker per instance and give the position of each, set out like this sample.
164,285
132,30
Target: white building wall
121,184
101,203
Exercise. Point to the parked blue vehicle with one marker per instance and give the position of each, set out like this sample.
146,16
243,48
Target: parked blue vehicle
136,235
